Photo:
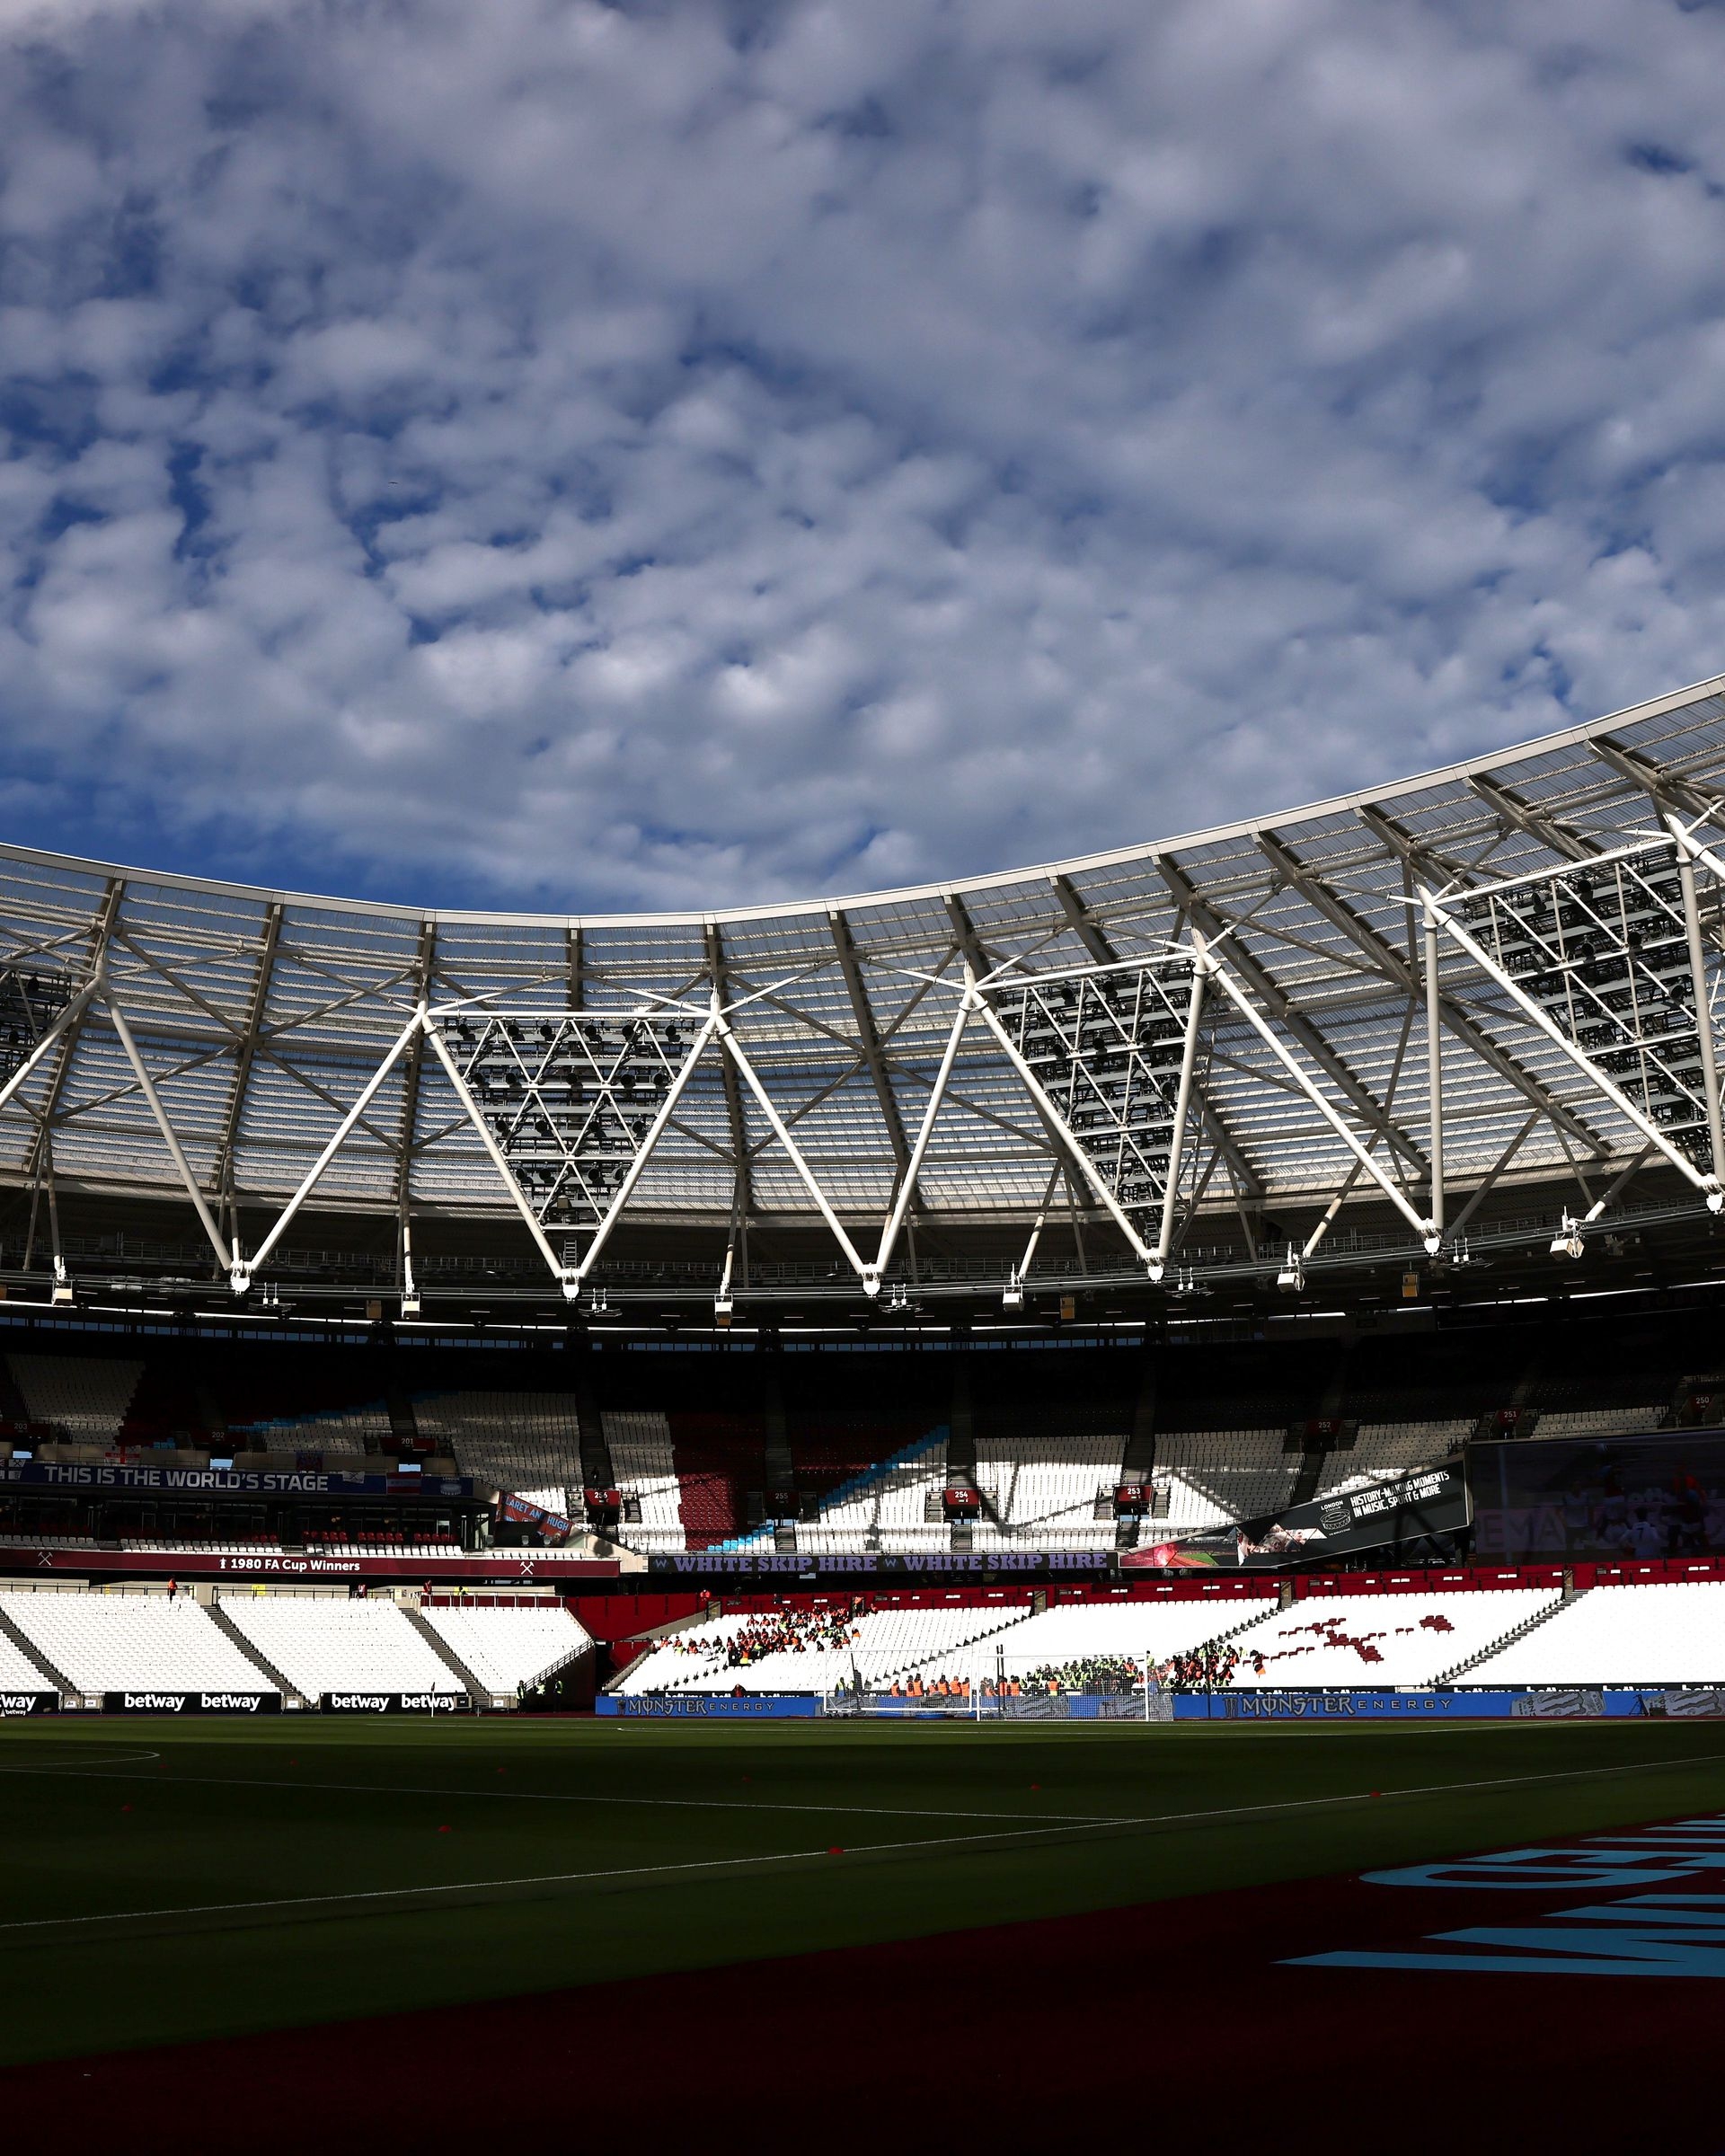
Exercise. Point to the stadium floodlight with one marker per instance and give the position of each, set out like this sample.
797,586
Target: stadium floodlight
61,1294
411,1303
1012,1295
1567,1243
1109,1053
899,1300
1292,1275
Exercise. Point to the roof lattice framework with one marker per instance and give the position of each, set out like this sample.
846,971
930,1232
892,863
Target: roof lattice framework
257,1019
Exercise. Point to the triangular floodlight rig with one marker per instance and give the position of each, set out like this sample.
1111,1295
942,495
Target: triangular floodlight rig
1609,958
571,1105
1107,1054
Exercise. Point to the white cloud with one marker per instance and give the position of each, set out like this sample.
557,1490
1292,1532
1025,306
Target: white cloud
668,454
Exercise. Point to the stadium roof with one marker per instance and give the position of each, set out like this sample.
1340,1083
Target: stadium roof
759,1080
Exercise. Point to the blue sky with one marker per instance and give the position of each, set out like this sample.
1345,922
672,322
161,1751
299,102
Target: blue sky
660,455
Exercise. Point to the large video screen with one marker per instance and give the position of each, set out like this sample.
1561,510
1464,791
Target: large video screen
1377,1515
1613,1498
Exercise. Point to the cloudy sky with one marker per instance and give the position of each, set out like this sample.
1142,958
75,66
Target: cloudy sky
694,451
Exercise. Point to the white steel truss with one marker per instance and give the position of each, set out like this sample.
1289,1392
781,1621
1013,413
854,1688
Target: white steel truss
570,1107
1610,958
249,1053
1108,1053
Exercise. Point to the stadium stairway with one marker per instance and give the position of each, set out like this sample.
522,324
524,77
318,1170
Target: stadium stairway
476,1691
990,1631
1260,1615
34,1655
1509,1638
698,1619
255,1655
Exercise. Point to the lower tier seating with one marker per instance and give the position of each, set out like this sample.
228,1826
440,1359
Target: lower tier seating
507,1649
323,1643
1670,1634
811,1650
1350,1639
128,1642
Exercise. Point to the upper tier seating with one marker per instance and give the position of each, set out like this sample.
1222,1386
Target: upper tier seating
325,1643
1668,1634
129,1642
344,1436
504,1646
1213,1477
1044,1490
85,1396
1367,1640
1601,1422
644,1470
519,1441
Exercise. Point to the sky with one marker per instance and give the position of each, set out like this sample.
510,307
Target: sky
705,452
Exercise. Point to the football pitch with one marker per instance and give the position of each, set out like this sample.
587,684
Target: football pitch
169,1881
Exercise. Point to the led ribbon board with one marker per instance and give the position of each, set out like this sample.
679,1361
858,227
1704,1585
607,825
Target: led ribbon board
1105,1049
1603,951
570,1100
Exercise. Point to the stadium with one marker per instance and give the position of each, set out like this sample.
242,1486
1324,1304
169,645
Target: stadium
1141,1410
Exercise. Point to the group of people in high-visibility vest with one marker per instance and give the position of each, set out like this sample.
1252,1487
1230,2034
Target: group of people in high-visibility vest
954,1688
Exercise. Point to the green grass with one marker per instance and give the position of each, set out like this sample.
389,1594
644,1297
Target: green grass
583,1851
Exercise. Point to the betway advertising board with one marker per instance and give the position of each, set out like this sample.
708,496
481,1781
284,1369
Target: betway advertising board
1432,1502
28,1702
191,1702
395,1702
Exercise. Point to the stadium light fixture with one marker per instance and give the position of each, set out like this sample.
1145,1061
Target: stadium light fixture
1568,1242
1292,1275
1013,1296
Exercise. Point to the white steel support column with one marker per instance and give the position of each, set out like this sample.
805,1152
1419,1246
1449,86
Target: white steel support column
73,1011
913,1166
1183,1103
1703,1012
1707,1184
869,1274
1434,1074
1140,1249
1023,1271
218,1242
245,1267
1261,1026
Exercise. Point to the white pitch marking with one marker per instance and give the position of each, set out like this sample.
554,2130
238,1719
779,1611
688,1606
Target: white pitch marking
696,1804
545,1878
794,1856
